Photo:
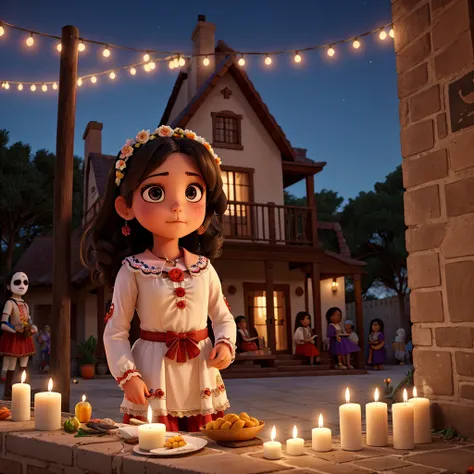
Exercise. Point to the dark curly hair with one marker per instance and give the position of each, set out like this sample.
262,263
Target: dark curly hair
379,322
103,246
299,319
331,311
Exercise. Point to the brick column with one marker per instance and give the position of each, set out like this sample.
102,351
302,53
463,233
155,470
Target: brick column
435,64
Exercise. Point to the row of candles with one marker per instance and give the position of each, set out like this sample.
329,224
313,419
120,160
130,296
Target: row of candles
410,422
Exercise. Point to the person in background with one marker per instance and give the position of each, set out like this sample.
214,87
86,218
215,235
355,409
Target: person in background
399,346
350,329
304,339
44,340
245,343
377,353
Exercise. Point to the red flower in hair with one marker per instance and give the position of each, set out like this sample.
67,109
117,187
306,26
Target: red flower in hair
176,275
180,292
181,304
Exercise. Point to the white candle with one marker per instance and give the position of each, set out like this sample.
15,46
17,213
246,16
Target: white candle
152,435
350,422
48,409
321,437
295,446
376,418
272,449
21,400
422,418
403,419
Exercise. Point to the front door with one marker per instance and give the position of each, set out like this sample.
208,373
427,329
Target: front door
256,310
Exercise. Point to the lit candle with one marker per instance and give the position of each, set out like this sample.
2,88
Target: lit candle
422,418
403,424
295,446
376,417
83,410
152,435
48,409
272,449
350,421
321,437
21,400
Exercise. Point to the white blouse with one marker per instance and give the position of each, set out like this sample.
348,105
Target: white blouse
302,334
143,284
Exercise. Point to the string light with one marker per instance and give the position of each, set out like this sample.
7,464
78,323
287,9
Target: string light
133,71
59,47
2,30
176,62
382,35
44,88
268,60
152,66
20,87
146,57
112,75
55,86
297,57
32,88
30,41
93,79
181,61
79,82
171,64
81,47
241,61
391,33
356,44
106,52
6,86
206,61
146,67
331,52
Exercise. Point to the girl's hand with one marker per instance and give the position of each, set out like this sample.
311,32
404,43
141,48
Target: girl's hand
135,391
220,357
338,338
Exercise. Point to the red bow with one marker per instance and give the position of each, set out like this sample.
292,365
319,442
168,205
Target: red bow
180,344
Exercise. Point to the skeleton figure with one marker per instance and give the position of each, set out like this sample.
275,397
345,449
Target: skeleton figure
16,340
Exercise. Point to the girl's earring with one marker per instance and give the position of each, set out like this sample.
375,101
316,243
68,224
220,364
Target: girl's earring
201,230
126,231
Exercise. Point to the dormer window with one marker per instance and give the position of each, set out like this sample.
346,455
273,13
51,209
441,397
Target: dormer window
226,130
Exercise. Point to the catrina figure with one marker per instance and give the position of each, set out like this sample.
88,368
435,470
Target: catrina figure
16,341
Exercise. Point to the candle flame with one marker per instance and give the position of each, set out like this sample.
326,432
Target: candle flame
273,434
405,395
295,432
320,420
415,393
348,395
50,385
149,415
83,398
376,395
23,376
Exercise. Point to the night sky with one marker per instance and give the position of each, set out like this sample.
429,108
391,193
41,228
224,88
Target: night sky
344,110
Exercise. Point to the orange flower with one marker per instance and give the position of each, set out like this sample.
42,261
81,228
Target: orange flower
190,134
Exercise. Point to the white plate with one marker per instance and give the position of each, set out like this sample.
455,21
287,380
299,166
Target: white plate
193,444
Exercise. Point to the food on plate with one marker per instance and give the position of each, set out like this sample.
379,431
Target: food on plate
4,413
175,442
233,422
71,425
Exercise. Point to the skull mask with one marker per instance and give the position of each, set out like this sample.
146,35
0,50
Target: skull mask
19,284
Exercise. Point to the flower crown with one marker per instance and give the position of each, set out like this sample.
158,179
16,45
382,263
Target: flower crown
144,136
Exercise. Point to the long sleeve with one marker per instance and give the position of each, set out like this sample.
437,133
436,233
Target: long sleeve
331,331
298,336
7,311
223,322
117,329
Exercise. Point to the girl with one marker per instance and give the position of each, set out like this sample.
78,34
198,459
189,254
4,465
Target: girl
352,335
16,341
377,354
152,239
399,347
245,342
304,339
340,345
44,340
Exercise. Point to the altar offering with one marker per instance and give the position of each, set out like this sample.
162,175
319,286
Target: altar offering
272,449
48,409
403,424
376,416
350,421
422,418
83,410
21,400
321,437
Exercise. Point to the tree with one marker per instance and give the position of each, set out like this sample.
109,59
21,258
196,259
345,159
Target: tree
374,228
26,198
328,204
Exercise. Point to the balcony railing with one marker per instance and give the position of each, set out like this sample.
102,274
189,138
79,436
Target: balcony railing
270,223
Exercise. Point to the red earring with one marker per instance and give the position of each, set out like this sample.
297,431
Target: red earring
126,231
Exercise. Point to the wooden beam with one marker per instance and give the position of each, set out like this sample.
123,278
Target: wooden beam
62,218
100,321
316,290
306,296
269,287
311,200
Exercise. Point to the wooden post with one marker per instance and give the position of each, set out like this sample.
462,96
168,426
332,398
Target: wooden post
316,290
359,312
306,296
269,305
100,321
62,219
271,222
311,200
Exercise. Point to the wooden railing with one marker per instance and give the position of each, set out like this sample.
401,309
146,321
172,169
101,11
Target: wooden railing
270,223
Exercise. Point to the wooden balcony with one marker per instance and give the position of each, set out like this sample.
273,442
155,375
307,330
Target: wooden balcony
270,223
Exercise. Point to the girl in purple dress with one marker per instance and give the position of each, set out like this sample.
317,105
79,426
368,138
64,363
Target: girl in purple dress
340,345
377,353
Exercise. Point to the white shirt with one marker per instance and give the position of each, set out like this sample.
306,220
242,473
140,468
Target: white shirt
302,334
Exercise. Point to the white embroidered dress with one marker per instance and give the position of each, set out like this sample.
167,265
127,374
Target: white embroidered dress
180,389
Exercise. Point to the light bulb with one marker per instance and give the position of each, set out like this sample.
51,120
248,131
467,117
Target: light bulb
55,86
206,61
81,46
2,30
383,35
268,60
331,52
30,41
175,62
356,44
112,75
93,79
146,67
32,88
106,52
152,66
20,87
297,57
133,71
181,61
171,64
391,33
7,86
146,57
241,61
79,82
44,87
59,47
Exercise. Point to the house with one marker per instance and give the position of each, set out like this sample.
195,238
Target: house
273,264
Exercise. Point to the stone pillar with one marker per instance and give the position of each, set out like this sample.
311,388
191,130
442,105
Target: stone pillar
435,64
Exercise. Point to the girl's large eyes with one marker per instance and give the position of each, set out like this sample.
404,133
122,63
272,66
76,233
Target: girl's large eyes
194,193
153,193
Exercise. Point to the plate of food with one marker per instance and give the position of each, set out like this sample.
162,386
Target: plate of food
233,427
176,445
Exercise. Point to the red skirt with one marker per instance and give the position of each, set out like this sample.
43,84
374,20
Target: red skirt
16,345
307,349
190,424
248,346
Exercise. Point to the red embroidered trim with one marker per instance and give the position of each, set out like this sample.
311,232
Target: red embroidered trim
206,393
181,304
180,292
176,275
125,375
160,394
109,313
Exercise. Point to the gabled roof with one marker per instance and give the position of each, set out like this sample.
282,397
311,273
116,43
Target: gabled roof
247,88
101,165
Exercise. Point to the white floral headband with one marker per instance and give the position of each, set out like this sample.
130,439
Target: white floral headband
144,136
